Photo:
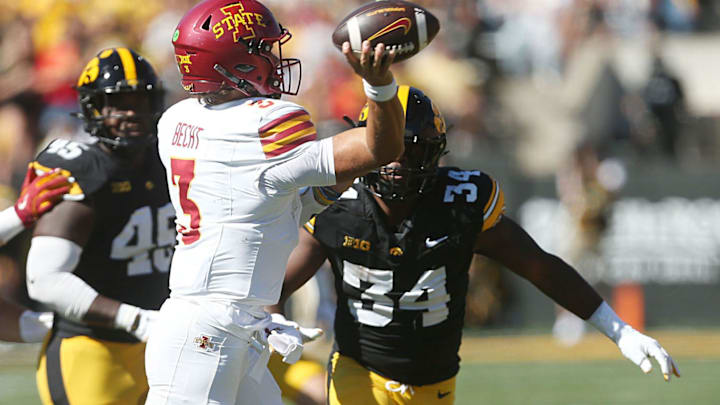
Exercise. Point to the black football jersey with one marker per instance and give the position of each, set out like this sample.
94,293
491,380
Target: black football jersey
127,256
401,292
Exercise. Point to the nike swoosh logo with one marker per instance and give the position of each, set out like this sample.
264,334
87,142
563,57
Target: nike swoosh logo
403,23
23,203
432,243
442,395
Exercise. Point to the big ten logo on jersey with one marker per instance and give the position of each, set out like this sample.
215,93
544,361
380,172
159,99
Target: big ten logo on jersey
465,189
186,135
355,243
66,149
146,240
239,22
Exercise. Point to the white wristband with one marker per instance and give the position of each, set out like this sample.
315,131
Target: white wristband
127,317
10,224
380,93
607,321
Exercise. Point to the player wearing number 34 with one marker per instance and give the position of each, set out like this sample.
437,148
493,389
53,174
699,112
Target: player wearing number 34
100,261
400,242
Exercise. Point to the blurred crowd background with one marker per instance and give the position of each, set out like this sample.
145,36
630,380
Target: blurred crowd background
599,118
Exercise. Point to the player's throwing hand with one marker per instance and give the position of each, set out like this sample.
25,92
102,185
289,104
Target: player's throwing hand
374,67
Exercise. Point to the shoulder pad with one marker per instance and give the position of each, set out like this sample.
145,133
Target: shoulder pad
84,162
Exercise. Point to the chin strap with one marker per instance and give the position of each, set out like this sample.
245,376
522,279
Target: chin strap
242,84
350,121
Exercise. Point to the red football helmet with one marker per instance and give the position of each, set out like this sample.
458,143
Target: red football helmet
231,42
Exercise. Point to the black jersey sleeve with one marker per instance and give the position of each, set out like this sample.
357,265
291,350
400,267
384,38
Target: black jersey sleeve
474,194
81,161
321,228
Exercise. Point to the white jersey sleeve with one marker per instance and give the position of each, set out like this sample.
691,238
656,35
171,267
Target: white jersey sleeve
281,132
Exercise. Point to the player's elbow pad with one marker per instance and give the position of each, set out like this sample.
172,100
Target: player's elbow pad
50,280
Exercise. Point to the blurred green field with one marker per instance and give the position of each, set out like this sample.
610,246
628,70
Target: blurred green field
510,370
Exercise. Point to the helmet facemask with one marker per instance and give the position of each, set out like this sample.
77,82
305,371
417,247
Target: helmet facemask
281,76
414,173
124,119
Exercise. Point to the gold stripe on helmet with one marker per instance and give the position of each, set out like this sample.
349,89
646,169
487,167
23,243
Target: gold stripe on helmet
402,95
128,63
106,53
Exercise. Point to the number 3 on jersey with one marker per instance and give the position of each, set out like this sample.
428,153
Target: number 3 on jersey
183,173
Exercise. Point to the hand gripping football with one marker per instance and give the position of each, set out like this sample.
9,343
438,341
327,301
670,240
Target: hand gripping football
400,25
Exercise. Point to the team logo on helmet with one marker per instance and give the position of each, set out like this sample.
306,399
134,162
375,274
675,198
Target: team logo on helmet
183,62
238,22
90,73
403,23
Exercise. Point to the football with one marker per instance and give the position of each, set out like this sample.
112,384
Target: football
400,25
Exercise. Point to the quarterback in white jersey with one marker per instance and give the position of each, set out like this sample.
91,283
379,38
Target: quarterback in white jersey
236,169
237,160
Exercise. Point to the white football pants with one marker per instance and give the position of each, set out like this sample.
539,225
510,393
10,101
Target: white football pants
202,353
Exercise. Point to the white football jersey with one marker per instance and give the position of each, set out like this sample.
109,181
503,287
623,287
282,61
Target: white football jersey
233,172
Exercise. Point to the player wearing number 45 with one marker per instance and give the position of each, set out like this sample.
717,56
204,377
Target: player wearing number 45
100,262
400,243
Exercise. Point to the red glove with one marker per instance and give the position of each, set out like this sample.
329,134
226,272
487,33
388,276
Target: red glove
39,194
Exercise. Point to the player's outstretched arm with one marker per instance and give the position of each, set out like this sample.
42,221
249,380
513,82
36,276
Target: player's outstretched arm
359,150
38,195
509,244
55,251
